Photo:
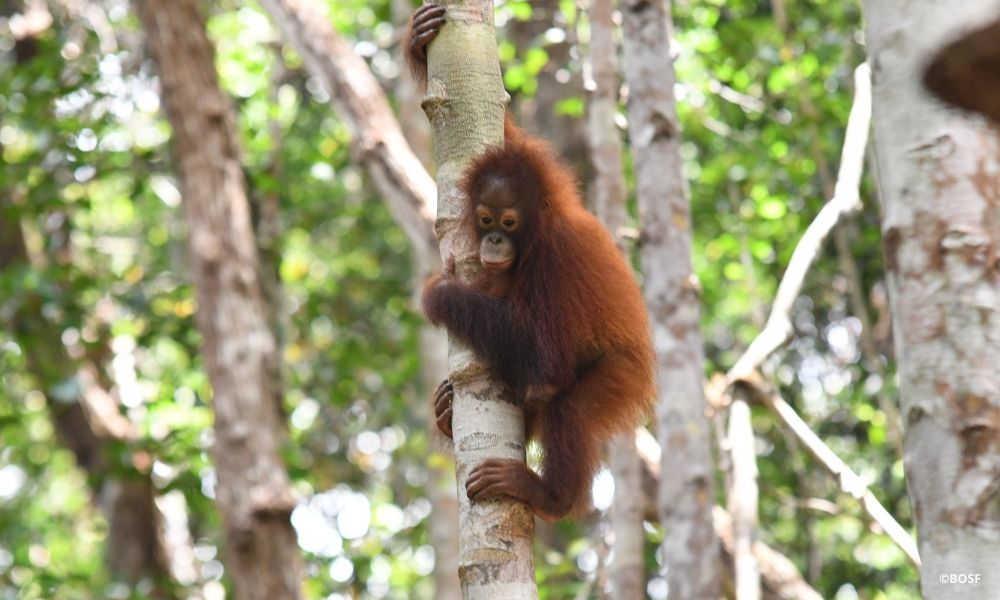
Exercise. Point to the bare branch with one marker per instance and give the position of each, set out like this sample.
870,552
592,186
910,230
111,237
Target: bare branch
849,481
780,577
743,496
846,200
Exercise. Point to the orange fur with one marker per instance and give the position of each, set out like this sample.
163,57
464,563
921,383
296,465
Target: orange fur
564,327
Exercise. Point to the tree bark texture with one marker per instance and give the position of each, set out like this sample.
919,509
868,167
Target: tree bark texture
607,197
465,102
686,497
239,348
940,186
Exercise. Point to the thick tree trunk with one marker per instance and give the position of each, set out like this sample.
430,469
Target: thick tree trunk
465,102
238,346
607,197
686,497
940,186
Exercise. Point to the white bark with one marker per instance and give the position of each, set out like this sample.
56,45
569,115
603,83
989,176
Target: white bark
465,103
690,551
440,485
743,498
940,185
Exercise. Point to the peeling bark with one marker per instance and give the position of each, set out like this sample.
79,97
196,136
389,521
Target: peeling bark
940,185
239,348
686,497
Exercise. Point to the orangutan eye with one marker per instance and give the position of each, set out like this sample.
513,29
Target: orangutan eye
486,220
509,223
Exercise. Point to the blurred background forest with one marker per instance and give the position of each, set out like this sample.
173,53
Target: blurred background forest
96,298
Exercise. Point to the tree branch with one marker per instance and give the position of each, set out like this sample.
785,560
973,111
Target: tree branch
849,481
780,577
377,144
846,199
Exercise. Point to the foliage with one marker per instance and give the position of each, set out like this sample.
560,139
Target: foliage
87,167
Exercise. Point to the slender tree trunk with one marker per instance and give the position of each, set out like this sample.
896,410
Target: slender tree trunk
743,497
607,197
433,354
465,102
690,550
239,348
940,186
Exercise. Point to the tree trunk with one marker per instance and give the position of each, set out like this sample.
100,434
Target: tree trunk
940,187
607,197
433,354
238,346
743,497
465,102
686,497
